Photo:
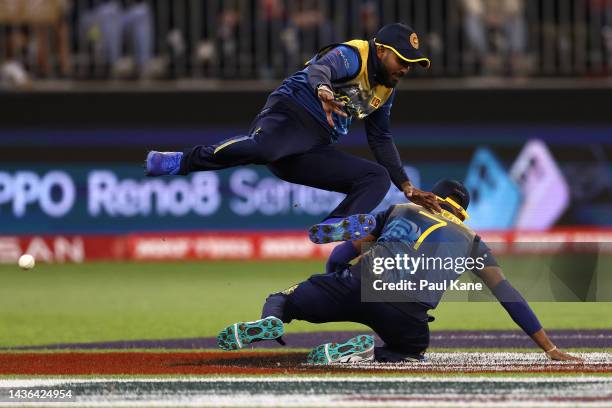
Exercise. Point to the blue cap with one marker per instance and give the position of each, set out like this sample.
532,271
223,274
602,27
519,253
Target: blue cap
403,41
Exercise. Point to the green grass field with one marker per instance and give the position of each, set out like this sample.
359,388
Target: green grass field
127,301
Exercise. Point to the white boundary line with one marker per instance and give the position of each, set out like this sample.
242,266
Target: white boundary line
307,401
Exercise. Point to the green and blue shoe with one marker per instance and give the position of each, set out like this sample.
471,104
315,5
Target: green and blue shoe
357,349
237,335
342,229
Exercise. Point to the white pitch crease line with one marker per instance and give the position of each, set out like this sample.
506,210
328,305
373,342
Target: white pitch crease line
313,400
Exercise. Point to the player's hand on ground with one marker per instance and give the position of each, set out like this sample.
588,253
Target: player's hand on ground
330,104
558,355
423,198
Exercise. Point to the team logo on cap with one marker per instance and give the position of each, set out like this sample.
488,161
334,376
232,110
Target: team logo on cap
414,40
375,102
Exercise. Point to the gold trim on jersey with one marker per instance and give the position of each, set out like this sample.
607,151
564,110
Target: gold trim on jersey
358,95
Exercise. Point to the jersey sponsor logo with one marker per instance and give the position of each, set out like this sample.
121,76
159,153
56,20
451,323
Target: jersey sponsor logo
347,65
375,102
414,40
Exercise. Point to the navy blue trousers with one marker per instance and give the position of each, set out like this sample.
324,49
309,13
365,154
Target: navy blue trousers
297,149
336,297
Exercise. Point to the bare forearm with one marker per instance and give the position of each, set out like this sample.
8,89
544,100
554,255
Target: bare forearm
521,313
552,352
542,340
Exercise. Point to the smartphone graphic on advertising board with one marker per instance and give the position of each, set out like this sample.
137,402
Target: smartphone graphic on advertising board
494,196
545,192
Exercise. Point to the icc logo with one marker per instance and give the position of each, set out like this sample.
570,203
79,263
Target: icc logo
375,102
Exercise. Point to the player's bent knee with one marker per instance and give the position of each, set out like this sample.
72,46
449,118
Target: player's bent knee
265,156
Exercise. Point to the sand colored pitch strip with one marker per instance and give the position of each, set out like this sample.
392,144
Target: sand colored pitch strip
259,363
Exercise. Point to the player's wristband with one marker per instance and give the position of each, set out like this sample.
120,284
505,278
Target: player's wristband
325,88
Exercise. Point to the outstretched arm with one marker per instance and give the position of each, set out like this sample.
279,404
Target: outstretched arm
380,140
519,310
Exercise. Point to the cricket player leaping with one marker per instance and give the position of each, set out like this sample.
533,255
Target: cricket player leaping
294,134
402,323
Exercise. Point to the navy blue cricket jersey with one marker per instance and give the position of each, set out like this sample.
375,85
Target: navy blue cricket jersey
343,62
440,239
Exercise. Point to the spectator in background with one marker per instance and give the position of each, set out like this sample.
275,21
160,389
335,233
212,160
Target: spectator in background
56,32
291,33
497,33
12,70
228,36
600,31
272,21
272,10
308,29
221,46
109,23
33,28
370,18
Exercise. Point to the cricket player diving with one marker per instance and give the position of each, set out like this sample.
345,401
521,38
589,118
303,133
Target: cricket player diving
403,326
295,133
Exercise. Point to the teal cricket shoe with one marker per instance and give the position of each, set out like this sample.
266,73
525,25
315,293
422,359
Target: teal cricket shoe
237,335
342,229
357,349
163,163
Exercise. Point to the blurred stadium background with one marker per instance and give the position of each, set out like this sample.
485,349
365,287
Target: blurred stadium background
266,39
518,103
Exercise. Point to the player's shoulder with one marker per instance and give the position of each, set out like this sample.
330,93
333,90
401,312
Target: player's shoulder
481,250
406,210
403,206
348,54
445,216
479,241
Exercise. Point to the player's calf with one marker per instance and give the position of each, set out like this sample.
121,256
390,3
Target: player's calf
342,229
357,349
237,335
